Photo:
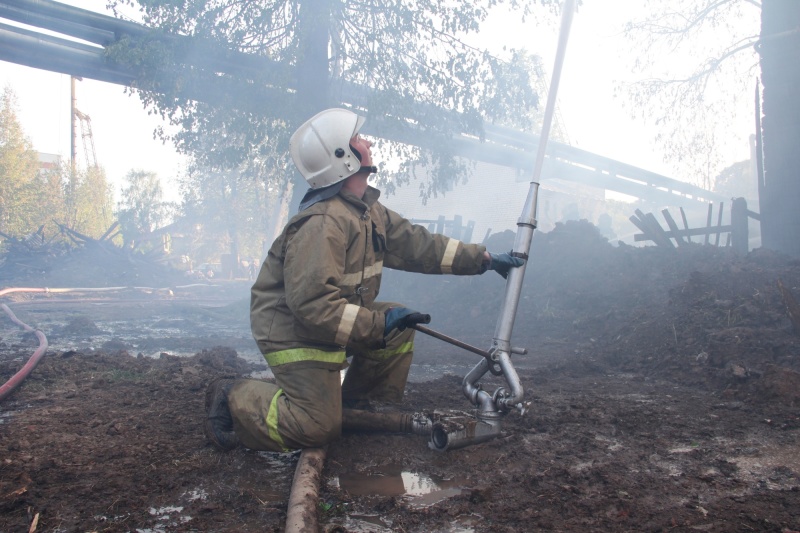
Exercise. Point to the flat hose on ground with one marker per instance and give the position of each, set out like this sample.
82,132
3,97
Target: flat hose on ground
9,386
301,516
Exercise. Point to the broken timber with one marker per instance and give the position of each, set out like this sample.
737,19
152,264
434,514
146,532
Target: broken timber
737,230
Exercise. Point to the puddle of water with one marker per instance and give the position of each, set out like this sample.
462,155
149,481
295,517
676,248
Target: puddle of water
168,517
465,524
419,490
375,524
366,524
164,512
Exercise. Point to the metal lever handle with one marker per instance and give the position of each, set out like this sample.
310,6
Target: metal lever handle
493,366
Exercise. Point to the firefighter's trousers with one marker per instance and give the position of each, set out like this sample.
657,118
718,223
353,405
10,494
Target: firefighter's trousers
303,409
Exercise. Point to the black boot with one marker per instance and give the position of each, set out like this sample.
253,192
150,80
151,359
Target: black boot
219,422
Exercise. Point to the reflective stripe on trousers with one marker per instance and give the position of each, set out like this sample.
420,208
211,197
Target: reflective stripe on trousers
295,355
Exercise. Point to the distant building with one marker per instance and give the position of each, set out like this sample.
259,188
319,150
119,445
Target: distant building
48,162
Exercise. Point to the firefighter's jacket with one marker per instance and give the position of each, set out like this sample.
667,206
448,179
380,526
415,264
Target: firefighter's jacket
313,296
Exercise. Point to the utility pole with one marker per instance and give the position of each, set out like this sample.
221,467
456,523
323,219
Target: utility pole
73,126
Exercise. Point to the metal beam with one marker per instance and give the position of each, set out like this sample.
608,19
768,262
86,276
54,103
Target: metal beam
274,81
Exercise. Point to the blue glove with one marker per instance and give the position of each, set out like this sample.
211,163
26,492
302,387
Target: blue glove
402,318
502,263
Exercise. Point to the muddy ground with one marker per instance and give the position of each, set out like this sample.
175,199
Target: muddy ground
664,392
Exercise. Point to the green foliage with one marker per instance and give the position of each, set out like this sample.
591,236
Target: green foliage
89,201
51,205
411,56
142,209
32,198
29,197
18,172
230,211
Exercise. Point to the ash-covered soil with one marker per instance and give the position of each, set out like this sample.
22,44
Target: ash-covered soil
664,390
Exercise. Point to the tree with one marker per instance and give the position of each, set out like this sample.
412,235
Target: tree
737,181
89,201
142,208
30,197
231,212
50,190
723,45
19,165
409,55
779,188
700,67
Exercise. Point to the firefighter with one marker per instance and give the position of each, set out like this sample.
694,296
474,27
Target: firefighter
313,304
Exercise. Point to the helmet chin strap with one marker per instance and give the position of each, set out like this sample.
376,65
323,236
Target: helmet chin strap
363,169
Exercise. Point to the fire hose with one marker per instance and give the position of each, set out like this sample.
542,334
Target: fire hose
301,513
11,385
16,380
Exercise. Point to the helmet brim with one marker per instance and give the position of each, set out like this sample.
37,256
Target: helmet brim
359,122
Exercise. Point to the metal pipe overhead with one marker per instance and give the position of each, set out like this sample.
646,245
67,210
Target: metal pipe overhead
69,20
105,31
46,52
271,85
67,27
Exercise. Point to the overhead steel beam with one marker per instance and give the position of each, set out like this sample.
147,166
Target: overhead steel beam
46,52
104,30
55,54
275,83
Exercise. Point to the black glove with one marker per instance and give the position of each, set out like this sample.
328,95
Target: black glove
402,318
502,263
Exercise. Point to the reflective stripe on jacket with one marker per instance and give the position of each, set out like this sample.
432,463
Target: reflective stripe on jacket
322,274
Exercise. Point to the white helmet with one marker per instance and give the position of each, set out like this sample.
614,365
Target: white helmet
321,150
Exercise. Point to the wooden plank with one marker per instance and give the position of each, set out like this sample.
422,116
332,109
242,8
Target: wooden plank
708,221
685,224
687,233
650,228
663,240
739,235
468,231
645,235
719,221
108,231
792,308
8,237
647,227
440,224
673,226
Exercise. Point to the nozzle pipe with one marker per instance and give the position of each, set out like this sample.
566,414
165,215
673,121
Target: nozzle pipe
447,430
360,420
454,433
